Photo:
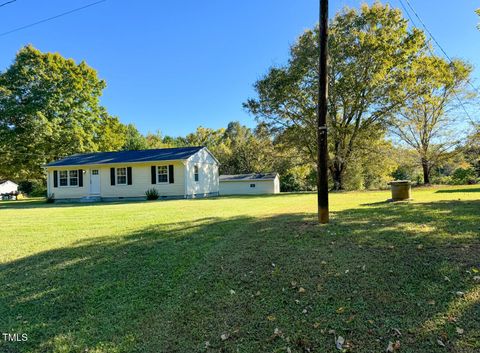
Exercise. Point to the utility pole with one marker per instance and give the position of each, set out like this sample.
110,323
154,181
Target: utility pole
322,160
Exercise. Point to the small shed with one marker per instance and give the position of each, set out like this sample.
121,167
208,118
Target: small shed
250,184
8,187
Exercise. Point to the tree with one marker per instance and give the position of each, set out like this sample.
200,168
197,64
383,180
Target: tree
134,140
426,122
370,51
49,108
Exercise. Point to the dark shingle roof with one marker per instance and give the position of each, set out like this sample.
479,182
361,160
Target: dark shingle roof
249,177
164,154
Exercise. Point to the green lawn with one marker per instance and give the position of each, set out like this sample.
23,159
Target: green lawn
174,276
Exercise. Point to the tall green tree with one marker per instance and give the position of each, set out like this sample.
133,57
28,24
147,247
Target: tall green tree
371,50
49,108
134,140
427,120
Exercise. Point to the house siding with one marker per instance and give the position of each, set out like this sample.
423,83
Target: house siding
141,182
184,185
208,182
67,192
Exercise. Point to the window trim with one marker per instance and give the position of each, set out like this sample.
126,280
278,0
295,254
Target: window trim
124,176
77,177
196,173
166,174
68,178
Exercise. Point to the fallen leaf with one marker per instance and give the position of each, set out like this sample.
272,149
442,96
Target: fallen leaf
460,331
224,336
389,347
301,290
446,279
476,278
340,310
316,325
440,343
397,332
232,292
364,268
460,294
271,318
207,344
339,342
304,311
419,246
323,262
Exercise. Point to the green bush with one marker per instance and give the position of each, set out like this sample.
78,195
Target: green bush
463,176
152,194
33,188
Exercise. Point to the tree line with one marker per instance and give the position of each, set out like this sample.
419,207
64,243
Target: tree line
396,110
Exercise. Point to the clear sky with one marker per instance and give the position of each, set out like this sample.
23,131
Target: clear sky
174,65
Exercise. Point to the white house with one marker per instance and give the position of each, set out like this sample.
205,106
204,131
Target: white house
186,172
267,183
8,187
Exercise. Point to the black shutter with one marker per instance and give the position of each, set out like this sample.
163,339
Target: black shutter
112,176
154,174
55,179
129,175
80,178
171,180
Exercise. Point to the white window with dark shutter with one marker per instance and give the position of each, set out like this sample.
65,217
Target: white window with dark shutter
68,178
162,174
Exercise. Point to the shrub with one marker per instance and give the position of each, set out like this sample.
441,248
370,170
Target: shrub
50,198
462,176
35,188
152,194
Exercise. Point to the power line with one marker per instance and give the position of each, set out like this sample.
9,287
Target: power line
433,54
6,3
433,38
50,18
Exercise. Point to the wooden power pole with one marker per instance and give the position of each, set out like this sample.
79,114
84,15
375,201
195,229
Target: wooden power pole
322,162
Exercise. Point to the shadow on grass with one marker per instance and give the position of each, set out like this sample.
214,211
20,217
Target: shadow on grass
174,287
454,191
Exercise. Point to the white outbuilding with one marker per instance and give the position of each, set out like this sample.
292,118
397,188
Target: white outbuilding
8,187
250,184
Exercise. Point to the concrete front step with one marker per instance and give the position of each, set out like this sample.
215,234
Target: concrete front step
91,199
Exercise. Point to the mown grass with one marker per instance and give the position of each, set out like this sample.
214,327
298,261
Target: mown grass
174,276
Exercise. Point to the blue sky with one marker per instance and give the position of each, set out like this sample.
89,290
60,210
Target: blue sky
175,65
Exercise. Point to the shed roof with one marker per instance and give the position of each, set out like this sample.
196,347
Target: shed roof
249,177
163,154
6,181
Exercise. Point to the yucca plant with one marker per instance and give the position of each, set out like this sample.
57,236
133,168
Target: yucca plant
152,194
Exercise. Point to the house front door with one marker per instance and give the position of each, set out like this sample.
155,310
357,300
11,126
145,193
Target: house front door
95,182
